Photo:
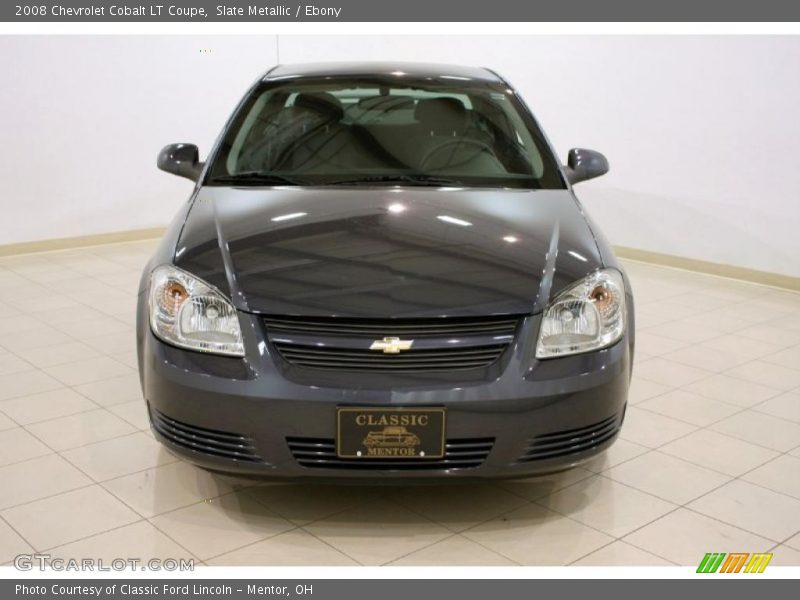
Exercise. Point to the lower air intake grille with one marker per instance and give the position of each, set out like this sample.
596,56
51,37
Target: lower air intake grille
571,441
220,444
321,454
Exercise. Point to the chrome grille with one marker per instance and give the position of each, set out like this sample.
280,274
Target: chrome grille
570,441
321,454
221,444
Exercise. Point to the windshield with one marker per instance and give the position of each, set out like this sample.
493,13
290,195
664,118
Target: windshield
384,130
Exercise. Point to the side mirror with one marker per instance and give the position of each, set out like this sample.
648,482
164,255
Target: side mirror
583,164
182,160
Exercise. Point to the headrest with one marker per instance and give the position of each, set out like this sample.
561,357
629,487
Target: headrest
323,104
446,114
386,103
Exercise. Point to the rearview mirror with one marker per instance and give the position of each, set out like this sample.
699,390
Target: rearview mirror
181,159
583,164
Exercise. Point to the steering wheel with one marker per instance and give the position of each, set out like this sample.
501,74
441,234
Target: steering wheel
481,146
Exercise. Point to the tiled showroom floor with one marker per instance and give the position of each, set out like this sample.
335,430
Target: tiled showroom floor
708,460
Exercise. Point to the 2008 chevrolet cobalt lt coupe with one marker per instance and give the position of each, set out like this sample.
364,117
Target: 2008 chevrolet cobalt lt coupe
383,273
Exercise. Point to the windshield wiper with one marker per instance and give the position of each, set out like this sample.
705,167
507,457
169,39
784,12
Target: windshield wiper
255,178
407,179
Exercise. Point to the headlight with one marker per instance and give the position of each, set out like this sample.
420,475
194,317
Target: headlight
189,313
587,316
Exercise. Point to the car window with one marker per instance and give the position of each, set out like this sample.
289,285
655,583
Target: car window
383,131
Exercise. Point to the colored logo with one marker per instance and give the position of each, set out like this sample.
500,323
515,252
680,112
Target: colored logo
391,345
734,562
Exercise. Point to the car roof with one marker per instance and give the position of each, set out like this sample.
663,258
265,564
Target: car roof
411,69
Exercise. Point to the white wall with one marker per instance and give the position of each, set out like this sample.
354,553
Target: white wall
701,131
82,119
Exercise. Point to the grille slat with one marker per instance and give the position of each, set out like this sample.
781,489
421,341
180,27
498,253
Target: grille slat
338,366
321,454
567,433
220,444
572,441
359,355
390,365
386,327
401,361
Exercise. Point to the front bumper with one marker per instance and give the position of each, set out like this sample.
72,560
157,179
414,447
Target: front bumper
254,416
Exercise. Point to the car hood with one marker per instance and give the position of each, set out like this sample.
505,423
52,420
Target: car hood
387,252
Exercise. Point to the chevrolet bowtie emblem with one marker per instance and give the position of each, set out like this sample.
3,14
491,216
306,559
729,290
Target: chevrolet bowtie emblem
391,345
